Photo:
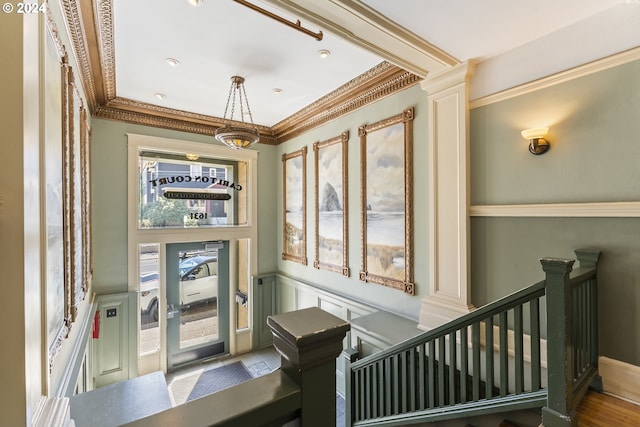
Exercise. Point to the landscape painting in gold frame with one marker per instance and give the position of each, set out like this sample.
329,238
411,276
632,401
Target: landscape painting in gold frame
386,192
331,207
294,231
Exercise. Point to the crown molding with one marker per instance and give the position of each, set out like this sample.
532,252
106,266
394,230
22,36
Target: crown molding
380,81
82,30
90,28
134,112
596,66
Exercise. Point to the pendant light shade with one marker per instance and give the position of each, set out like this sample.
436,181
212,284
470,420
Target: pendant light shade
237,134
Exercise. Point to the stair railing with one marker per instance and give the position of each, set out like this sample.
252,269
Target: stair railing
572,311
448,373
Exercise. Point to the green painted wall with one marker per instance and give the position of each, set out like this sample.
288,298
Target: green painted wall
380,296
109,186
593,127
594,130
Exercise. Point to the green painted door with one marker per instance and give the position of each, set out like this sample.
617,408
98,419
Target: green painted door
197,301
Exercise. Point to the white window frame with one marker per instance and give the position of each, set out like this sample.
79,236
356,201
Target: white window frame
232,233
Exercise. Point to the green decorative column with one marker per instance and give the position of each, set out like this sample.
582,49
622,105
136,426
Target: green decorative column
309,341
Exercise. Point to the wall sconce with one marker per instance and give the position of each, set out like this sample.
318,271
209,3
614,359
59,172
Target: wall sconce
537,143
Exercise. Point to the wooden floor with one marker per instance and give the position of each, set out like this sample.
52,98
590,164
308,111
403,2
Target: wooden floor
601,410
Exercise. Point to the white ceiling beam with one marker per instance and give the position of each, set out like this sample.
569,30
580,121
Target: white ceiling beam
365,27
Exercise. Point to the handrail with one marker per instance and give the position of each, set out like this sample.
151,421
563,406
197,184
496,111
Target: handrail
449,372
468,319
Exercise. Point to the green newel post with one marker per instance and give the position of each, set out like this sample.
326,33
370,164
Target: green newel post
589,258
309,341
556,413
565,391
349,355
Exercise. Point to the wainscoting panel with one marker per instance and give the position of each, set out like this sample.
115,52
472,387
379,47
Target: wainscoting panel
111,349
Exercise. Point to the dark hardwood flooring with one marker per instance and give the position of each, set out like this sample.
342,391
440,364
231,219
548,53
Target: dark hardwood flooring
601,410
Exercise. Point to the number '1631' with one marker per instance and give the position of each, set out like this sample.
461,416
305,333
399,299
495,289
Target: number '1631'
198,215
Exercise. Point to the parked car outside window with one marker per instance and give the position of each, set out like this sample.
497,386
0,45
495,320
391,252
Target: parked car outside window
198,284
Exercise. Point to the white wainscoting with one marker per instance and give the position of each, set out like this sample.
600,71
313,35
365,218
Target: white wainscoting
53,412
293,294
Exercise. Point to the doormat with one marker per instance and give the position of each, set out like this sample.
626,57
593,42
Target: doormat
209,381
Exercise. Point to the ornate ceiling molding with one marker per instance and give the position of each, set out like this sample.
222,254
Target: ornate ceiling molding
373,85
145,119
90,26
75,13
132,111
104,11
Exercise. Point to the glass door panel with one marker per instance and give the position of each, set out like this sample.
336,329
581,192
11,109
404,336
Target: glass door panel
149,297
197,301
198,298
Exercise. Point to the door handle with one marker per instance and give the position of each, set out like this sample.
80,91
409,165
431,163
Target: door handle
171,311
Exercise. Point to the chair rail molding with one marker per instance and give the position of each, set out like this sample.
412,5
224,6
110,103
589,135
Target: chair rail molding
448,109
569,210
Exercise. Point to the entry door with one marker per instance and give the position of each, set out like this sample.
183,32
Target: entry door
197,301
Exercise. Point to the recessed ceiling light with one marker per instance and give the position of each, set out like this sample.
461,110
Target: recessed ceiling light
195,2
160,95
324,53
173,62
277,90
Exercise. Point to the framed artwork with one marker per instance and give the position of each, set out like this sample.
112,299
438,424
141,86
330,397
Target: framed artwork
78,183
85,190
56,188
294,171
387,202
66,186
332,207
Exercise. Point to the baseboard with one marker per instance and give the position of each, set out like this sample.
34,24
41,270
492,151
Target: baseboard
620,378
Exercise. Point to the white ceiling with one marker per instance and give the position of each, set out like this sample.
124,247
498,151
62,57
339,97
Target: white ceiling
472,29
221,38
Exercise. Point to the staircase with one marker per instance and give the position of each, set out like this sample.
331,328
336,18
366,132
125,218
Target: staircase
491,360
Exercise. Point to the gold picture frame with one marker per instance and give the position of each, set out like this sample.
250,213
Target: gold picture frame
386,193
332,206
80,133
294,188
67,189
85,156
55,146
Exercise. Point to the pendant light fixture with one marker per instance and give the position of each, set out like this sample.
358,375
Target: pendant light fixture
237,134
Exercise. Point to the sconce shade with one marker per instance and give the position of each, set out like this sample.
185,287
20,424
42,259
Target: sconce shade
236,134
537,143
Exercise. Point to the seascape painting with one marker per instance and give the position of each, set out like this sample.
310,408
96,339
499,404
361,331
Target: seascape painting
294,200
331,246
387,203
